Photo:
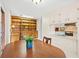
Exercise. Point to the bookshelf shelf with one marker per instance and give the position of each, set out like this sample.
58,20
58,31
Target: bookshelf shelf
23,26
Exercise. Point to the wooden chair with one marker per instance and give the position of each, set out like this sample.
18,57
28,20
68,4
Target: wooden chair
47,40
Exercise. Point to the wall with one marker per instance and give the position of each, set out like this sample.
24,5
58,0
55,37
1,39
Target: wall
77,38
39,27
7,27
45,26
59,17
7,24
0,27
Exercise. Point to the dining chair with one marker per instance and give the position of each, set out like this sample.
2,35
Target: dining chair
46,40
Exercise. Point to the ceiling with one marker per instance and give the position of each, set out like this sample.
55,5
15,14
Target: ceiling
27,7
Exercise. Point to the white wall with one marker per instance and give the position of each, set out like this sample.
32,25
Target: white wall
7,24
39,27
61,16
78,38
7,27
45,26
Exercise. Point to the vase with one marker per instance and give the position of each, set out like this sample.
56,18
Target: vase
29,43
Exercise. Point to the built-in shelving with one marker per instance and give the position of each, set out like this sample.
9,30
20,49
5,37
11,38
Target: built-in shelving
21,26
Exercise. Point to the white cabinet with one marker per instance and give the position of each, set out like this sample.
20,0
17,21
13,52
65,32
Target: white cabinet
67,44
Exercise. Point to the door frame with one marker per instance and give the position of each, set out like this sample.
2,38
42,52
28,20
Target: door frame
2,28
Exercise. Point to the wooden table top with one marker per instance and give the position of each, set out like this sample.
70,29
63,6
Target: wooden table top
40,50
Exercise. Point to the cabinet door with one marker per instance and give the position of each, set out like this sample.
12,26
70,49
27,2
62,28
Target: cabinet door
14,38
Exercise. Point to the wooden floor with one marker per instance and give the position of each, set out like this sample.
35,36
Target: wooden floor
40,50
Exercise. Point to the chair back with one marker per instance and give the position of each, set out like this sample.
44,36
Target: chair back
47,40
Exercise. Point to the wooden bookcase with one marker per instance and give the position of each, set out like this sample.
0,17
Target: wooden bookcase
21,26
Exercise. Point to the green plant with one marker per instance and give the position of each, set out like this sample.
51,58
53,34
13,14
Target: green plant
28,38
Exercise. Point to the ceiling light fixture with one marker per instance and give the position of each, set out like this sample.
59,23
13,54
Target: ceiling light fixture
36,1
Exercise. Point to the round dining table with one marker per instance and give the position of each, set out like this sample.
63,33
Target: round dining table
39,49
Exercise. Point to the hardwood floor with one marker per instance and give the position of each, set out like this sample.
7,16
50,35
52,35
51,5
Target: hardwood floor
40,50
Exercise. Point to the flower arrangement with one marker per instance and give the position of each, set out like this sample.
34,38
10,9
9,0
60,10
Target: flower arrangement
29,41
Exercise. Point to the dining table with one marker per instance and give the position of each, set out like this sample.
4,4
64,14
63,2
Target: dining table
39,49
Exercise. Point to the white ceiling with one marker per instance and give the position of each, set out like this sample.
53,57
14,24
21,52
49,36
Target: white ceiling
27,7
